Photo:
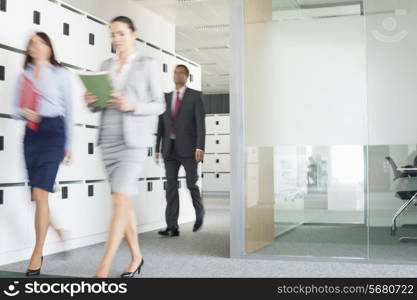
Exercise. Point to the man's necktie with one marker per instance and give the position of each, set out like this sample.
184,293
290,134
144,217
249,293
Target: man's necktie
177,106
174,112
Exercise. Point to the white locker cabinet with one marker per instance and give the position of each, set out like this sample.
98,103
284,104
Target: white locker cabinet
65,213
151,168
217,144
186,204
195,77
25,18
72,45
211,124
222,143
223,162
155,200
13,17
222,125
150,202
223,181
145,50
14,212
94,166
168,67
98,44
76,170
140,47
211,144
43,16
209,164
216,182
209,183
11,65
155,54
11,151
216,163
217,124
141,204
92,204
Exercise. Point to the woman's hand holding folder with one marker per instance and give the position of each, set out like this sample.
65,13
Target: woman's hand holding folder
89,98
30,115
121,103
117,101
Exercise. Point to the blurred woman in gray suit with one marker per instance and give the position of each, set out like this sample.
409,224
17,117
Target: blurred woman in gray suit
126,131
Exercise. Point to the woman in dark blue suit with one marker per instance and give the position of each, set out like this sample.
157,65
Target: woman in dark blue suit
48,145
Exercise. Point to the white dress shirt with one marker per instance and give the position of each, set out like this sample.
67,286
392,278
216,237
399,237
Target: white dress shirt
174,100
119,78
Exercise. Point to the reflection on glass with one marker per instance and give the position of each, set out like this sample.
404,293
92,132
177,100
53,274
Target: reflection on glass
318,202
392,213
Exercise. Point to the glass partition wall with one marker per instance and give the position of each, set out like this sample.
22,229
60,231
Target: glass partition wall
330,95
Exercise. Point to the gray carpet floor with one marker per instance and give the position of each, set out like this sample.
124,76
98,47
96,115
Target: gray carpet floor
205,254
345,241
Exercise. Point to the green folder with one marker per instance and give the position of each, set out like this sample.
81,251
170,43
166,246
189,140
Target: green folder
99,85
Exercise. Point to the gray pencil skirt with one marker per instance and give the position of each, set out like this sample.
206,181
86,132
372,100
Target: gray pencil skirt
124,166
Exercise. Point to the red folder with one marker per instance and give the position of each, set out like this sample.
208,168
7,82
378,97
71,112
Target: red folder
29,98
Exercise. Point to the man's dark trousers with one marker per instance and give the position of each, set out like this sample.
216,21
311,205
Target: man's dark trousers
173,163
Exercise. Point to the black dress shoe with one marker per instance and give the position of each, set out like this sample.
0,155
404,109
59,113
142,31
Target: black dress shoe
169,232
197,225
36,272
132,274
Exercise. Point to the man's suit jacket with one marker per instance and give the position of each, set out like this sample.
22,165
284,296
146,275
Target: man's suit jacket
143,86
190,128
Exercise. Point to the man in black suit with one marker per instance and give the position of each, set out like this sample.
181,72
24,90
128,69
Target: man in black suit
181,129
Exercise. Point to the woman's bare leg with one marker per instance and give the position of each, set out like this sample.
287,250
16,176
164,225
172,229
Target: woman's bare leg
41,225
132,240
120,218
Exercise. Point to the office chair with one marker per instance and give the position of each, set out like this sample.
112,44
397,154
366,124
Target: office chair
405,195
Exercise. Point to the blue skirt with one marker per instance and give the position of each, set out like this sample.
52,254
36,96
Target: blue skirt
44,151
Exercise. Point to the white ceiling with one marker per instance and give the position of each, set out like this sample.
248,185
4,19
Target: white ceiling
297,4
202,32
202,35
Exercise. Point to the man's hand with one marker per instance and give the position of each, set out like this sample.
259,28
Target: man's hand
199,155
122,103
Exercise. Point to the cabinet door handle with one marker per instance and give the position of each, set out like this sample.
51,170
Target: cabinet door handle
64,192
90,190
90,148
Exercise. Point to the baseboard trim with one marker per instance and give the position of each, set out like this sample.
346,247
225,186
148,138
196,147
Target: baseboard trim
54,247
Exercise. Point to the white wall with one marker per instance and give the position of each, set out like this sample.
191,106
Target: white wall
150,26
305,82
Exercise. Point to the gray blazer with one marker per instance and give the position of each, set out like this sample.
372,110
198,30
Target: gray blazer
190,128
143,86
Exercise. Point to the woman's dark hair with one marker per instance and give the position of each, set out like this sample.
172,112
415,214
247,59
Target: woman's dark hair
126,20
48,42
187,71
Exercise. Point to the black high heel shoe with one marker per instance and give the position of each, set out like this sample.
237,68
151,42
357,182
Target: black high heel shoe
132,274
36,272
